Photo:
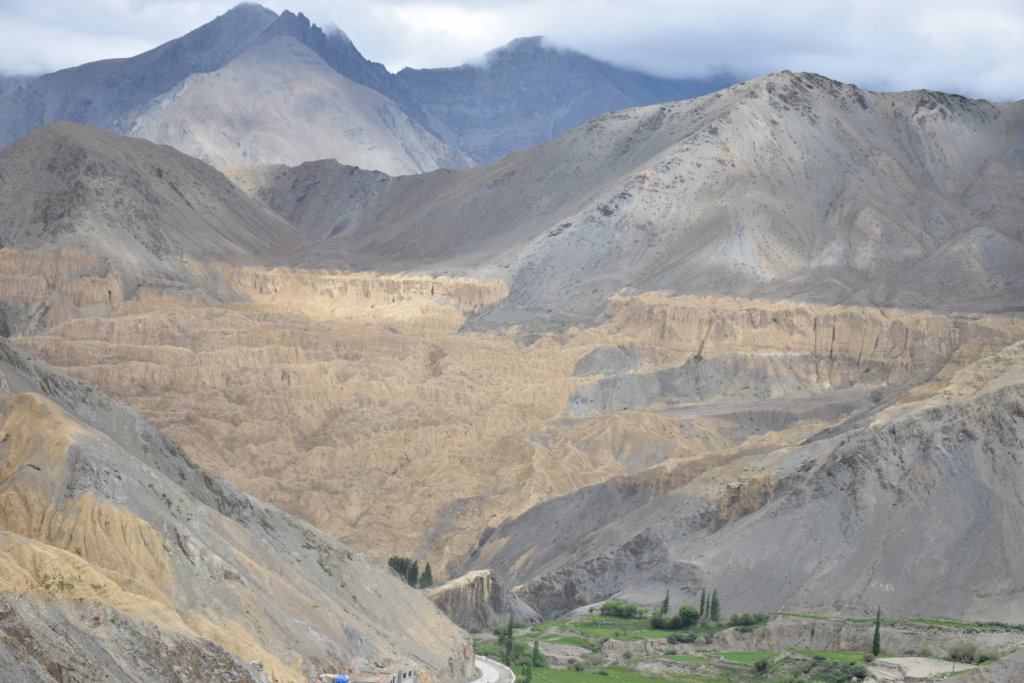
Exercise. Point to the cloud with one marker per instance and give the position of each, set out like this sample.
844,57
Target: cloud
974,48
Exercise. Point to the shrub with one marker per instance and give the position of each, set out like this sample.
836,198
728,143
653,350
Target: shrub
686,616
987,654
761,665
621,608
748,619
963,652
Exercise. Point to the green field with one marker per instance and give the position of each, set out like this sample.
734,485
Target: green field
569,640
837,655
617,627
614,673
745,657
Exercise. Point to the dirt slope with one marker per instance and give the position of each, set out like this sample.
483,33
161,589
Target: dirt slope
147,566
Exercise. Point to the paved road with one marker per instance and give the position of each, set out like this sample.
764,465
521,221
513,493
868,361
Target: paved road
493,672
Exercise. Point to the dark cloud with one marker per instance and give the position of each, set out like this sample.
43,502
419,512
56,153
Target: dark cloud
972,48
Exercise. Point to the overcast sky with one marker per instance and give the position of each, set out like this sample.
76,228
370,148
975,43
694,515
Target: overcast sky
973,47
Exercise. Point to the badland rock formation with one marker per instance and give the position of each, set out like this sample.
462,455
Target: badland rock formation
120,558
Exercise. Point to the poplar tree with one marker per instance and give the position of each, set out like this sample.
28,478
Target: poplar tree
703,603
426,578
509,642
414,572
876,642
715,611
664,604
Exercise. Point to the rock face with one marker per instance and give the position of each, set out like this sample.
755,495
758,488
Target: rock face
479,602
122,559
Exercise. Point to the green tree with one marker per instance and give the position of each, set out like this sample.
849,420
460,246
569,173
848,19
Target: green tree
400,565
664,605
414,572
876,642
703,603
426,578
509,641
685,617
528,671
536,658
715,610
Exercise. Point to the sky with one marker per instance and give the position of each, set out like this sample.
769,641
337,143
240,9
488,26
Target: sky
975,47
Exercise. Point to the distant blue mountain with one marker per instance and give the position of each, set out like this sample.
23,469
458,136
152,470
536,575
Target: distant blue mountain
523,94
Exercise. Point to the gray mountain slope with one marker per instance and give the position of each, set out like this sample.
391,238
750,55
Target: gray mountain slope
128,200
915,512
526,93
278,102
9,82
787,186
98,93
122,559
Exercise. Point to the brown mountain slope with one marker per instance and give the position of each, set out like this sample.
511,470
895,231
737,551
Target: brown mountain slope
147,566
787,186
278,102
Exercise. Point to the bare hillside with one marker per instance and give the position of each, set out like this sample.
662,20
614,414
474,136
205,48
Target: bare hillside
121,559
788,186
280,103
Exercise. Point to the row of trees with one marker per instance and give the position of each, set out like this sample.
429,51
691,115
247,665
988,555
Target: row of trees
410,570
710,611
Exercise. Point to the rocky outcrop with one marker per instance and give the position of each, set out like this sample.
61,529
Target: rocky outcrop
478,601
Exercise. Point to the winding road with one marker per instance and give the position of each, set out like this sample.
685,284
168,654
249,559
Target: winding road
493,672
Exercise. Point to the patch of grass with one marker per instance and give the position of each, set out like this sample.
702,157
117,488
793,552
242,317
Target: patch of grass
834,655
801,615
616,627
745,657
689,659
569,640
612,674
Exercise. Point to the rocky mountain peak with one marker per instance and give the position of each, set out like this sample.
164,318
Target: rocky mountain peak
338,52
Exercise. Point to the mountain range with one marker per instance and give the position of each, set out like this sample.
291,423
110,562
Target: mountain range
765,340
252,86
